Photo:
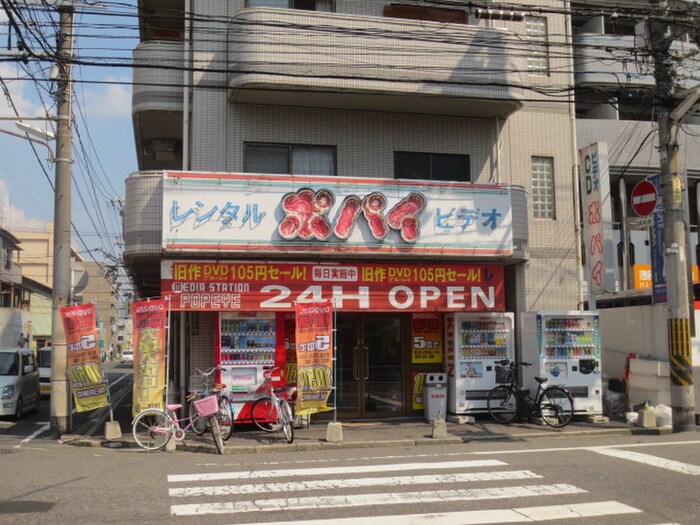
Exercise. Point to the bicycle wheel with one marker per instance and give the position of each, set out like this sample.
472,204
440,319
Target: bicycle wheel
199,424
152,429
216,433
556,407
287,420
263,414
225,417
502,404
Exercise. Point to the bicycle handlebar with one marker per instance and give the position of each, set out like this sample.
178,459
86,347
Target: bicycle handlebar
267,373
207,373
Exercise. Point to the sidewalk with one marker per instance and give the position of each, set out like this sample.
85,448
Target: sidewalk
392,433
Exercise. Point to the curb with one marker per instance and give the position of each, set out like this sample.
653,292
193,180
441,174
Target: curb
321,444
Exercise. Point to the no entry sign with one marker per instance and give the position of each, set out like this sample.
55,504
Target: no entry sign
644,198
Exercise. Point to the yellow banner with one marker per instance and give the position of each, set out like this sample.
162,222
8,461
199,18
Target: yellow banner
642,275
314,349
83,361
149,320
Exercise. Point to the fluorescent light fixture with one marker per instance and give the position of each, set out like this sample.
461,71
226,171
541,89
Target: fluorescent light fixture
37,132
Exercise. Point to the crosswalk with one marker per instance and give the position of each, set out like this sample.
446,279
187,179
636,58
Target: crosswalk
291,495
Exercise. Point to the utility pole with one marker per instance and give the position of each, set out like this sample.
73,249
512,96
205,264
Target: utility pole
60,390
661,34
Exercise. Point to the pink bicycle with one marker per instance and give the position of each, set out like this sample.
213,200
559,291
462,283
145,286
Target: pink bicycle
153,428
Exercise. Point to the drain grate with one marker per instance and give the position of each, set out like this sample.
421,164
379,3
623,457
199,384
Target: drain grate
7,451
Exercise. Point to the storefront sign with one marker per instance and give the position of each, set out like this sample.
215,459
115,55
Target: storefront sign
314,344
426,338
597,218
643,278
149,321
83,362
243,213
271,286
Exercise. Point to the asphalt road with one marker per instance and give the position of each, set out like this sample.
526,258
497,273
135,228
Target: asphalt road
641,480
614,479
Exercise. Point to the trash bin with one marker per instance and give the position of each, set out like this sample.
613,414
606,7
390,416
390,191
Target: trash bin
435,396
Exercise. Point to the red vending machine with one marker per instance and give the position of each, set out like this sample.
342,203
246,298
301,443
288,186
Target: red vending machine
248,344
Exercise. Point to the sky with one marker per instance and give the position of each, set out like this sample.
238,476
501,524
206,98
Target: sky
103,150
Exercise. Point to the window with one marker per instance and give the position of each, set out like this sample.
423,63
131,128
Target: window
308,5
292,159
538,45
431,166
543,188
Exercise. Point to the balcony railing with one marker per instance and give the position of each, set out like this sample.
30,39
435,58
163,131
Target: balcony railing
295,57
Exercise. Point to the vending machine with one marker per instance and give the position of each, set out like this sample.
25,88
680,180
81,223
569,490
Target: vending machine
564,347
475,341
248,344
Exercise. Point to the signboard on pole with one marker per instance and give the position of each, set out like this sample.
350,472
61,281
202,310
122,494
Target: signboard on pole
314,344
644,198
150,324
597,219
656,235
83,361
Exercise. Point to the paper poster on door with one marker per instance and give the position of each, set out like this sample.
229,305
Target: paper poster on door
417,383
426,338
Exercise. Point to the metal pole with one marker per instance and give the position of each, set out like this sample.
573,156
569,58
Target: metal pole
678,307
60,391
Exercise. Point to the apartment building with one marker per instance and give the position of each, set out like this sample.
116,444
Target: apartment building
616,97
255,118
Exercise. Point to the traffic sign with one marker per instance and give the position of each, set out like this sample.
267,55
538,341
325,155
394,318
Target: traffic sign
644,198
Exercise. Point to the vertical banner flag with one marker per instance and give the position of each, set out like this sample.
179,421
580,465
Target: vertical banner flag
314,345
150,321
597,218
83,362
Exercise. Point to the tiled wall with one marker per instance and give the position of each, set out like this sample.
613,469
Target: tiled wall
366,140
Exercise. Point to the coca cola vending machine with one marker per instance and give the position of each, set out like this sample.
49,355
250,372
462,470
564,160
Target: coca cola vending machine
248,344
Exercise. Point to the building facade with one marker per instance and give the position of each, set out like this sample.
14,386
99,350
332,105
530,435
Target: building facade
355,92
253,101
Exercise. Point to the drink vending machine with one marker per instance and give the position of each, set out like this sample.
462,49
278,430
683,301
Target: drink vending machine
475,341
564,347
248,344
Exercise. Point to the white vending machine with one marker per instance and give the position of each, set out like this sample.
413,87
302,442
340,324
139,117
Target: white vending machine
475,341
564,347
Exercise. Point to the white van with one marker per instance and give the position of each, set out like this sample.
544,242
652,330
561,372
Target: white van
19,382
43,357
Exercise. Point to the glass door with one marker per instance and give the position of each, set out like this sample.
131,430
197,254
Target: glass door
371,369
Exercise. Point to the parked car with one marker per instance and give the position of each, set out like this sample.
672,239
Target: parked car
127,356
44,363
19,382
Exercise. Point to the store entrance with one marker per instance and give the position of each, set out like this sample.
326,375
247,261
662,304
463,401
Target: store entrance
371,365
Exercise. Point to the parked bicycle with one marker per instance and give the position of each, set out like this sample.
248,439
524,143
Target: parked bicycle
552,404
202,385
272,413
154,428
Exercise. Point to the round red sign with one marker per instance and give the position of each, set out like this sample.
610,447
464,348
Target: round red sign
644,198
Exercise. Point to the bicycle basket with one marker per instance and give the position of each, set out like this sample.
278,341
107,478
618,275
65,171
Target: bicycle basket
504,374
199,383
207,406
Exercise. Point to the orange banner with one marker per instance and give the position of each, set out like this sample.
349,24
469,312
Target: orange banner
314,348
83,363
150,322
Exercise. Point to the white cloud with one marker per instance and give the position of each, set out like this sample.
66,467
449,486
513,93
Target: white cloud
109,100
24,106
14,218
